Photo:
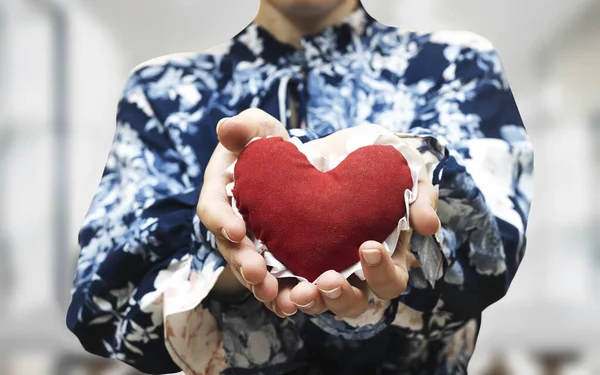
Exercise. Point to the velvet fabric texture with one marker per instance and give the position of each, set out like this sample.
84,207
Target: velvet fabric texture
314,221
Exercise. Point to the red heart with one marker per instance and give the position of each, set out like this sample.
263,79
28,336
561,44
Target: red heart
313,221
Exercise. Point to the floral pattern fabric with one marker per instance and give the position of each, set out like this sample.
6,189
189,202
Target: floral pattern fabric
143,288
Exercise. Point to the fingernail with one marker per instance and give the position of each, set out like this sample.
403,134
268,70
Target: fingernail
287,314
279,312
224,234
307,306
253,292
372,256
221,122
332,294
244,277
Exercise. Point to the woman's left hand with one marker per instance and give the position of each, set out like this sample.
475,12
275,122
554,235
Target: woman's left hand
386,275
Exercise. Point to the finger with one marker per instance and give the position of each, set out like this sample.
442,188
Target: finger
403,257
214,208
386,279
244,259
219,218
340,297
277,310
423,218
283,301
411,261
307,298
273,307
235,132
267,290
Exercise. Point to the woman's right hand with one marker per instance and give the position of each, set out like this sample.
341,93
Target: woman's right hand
215,211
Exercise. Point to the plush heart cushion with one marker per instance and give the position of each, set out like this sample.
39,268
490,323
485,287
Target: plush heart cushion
314,221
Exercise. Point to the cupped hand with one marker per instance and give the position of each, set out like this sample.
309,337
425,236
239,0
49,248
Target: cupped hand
386,275
215,211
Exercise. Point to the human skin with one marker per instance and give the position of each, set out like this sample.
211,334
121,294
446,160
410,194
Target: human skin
386,276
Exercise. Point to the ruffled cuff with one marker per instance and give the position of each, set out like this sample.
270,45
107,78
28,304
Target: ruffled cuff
421,292
192,336
427,250
379,315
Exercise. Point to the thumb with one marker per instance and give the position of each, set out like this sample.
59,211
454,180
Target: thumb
236,132
423,218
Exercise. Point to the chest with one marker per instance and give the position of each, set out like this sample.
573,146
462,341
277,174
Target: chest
322,99
335,96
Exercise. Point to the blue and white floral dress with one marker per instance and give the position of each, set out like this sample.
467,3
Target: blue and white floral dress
142,291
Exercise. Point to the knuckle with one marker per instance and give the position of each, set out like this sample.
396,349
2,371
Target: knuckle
335,308
388,293
380,293
233,262
252,111
322,311
316,310
403,282
229,255
246,112
201,210
319,309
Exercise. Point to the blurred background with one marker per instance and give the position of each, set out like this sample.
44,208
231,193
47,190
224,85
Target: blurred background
63,64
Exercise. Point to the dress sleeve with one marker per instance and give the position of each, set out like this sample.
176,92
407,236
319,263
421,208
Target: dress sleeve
143,255
484,181
468,126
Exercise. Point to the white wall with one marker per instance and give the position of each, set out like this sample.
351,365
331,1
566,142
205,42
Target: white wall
28,170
